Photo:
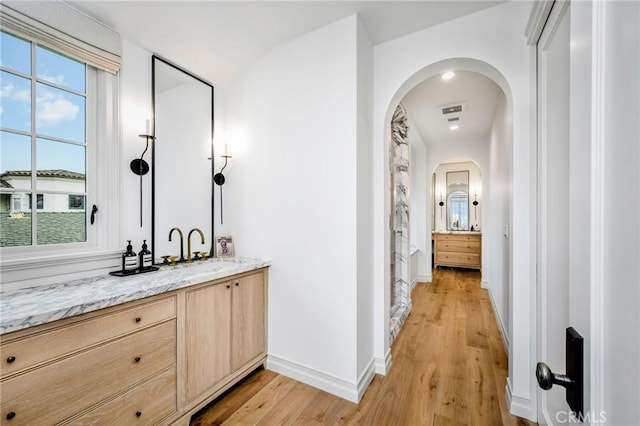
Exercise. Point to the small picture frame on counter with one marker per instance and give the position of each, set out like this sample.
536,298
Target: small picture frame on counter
224,246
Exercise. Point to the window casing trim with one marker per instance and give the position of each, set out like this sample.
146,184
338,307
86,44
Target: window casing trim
64,29
29,264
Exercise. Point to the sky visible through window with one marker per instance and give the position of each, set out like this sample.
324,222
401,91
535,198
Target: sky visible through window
60,112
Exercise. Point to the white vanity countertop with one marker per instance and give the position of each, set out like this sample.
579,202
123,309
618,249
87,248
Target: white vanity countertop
28,307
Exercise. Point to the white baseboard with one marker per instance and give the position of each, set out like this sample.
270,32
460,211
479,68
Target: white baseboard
350,391
496,313
365,378
519,406
424,278
382,366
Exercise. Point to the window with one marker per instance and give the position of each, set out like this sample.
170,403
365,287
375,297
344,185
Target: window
43,143
39,202
59,108
76,202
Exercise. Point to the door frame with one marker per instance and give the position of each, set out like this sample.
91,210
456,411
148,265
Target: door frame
587,76
554,18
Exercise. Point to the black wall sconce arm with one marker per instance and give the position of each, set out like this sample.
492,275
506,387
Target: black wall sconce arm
219,180
141,167
475,205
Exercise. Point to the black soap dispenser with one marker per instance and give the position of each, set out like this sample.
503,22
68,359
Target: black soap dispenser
145,257
129,259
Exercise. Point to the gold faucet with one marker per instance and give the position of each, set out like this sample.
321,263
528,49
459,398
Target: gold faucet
181,242
189,242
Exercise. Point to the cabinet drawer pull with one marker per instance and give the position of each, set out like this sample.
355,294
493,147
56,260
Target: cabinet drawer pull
228,285
137,359
10,415
138,319
138,413
237,284
11,359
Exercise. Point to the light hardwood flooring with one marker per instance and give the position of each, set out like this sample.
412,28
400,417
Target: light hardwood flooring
449,368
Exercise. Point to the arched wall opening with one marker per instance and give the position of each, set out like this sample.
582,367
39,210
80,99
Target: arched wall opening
497,187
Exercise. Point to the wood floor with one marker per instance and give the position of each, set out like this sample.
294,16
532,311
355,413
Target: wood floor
449,368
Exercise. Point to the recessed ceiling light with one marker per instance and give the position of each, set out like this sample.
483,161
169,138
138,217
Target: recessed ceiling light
448,75
454,127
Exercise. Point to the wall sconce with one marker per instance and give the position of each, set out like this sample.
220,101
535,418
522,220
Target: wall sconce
141,167
219,179
441,203
475,205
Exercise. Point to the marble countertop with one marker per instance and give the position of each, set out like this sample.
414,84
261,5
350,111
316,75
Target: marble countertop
459,232
29,307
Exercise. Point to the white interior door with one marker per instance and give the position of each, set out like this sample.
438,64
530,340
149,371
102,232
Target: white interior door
556,209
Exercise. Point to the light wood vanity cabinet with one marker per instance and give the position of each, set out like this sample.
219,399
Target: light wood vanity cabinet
458,250
208,314
53,373
152,361
248,320
233,312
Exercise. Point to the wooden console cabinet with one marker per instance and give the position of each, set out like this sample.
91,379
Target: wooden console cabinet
149,362
458,250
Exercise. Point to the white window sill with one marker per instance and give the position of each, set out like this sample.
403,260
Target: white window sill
19,273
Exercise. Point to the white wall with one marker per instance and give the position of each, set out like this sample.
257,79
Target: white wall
475,186
489,42
294,198
497,214
621,207
135,109
364,213
419,219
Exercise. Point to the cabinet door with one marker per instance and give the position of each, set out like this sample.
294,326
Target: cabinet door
248,319
208,332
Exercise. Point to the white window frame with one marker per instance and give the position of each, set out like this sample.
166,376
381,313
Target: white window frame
26,266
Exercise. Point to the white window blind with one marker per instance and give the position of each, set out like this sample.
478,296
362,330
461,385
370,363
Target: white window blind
64,29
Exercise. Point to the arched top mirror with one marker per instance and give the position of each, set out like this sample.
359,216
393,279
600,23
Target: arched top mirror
458,201
182,167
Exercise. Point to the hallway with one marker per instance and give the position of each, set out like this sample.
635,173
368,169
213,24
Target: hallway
449,368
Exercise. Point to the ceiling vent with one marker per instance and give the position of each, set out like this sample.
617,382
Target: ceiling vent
455,108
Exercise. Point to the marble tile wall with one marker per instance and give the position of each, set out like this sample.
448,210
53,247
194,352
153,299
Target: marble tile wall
399,221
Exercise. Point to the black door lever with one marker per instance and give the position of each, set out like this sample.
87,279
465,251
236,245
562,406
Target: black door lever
573,381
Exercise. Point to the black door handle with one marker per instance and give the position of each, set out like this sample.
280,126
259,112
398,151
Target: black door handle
94,210
574,379
547,378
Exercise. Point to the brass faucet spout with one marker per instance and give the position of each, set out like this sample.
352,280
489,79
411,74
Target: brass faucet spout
181,242
189,242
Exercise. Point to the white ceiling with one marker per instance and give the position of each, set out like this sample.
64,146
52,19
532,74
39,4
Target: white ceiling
479,93
218,40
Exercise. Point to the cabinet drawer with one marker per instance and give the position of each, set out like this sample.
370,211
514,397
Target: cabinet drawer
458,259
56,391
458,237
145,404
459,246
32,350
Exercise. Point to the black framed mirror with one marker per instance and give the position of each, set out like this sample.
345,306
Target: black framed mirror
182,153
458,201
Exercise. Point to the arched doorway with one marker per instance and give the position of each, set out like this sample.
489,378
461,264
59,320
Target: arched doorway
500,138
